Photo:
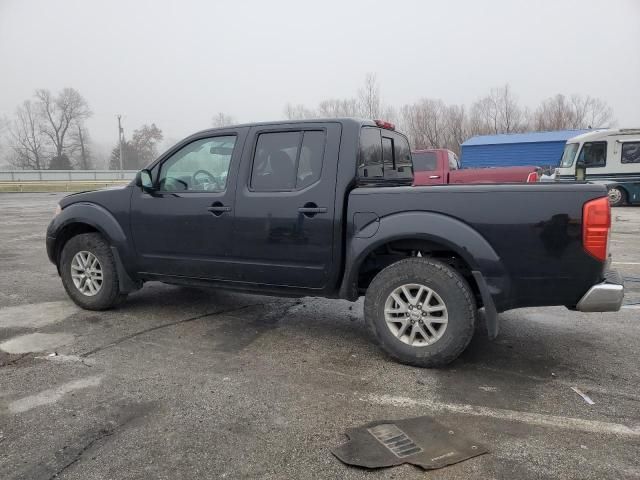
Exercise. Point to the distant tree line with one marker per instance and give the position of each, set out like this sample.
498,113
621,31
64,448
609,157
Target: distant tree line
48,131
431,123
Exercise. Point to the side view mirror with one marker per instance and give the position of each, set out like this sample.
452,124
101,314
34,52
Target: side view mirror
144,181
581,171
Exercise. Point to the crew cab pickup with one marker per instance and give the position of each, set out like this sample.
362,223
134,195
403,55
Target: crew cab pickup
326,208
439,166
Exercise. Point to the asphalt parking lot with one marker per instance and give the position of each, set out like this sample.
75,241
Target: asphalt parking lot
184,383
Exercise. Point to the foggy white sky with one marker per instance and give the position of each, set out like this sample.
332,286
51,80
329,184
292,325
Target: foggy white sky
178,63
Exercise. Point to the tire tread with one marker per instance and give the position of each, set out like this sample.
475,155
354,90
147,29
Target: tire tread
436,269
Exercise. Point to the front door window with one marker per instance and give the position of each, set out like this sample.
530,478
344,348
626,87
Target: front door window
200,166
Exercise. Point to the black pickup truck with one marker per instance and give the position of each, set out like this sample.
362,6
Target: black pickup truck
326,208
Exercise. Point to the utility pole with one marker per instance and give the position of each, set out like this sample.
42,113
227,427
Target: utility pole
121,141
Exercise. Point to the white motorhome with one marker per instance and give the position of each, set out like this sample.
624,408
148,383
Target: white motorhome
610,156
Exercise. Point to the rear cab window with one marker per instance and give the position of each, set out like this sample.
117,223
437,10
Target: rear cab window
453,161
384,157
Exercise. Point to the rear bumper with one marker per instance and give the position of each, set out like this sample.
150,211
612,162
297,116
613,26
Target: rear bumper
606,296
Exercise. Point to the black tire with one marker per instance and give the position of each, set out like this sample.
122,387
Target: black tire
108,296
445,282
617,196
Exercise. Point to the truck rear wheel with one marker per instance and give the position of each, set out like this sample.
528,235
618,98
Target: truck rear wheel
421,312
617,196
88,272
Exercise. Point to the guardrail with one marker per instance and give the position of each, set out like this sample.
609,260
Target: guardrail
58,185
65,175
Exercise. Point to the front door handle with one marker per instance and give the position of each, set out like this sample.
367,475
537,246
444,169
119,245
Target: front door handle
218,209
310,209
433,177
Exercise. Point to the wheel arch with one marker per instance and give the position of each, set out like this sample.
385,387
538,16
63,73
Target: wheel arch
80,218
432,234
87,217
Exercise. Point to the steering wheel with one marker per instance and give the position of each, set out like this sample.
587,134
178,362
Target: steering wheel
210,179
169,184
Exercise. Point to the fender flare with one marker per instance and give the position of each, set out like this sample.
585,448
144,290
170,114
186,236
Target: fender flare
448,231
103,221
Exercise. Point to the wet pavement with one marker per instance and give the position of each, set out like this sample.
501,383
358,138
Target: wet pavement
190,383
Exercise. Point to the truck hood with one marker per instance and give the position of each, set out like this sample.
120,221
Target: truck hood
93,196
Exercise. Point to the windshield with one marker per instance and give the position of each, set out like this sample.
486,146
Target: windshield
569,154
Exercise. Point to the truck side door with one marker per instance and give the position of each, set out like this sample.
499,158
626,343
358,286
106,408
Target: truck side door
428,168
284,204
184,227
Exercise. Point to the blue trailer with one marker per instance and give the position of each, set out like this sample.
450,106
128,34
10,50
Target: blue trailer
542,149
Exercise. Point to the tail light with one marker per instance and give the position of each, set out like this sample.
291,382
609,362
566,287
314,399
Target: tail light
596,223
532,177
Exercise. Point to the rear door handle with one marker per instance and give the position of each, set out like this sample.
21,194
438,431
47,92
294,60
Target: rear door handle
312,209
218,209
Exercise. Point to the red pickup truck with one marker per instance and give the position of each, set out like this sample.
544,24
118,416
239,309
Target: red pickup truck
439,166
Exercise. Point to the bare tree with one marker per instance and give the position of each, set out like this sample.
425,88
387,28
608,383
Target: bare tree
298,112
456,127
4,129
367,105
555,113
592,112
511,115
425,123
369,96
60,114
498,112
335,107
27,139
80,139
221,119
560,112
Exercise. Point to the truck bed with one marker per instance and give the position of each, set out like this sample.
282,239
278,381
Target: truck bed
533,230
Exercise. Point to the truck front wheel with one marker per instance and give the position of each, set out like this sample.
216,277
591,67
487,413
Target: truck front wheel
88,272
421,312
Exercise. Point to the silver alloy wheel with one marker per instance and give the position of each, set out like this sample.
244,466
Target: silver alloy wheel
615,196
86,273
416,315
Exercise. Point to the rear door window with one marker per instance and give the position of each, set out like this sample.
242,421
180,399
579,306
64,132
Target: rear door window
594,154
425,161
311,155
285,161
631,152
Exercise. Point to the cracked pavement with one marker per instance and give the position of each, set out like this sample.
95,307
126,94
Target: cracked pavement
195,383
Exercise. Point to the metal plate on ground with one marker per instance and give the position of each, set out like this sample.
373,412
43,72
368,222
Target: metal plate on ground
421,441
